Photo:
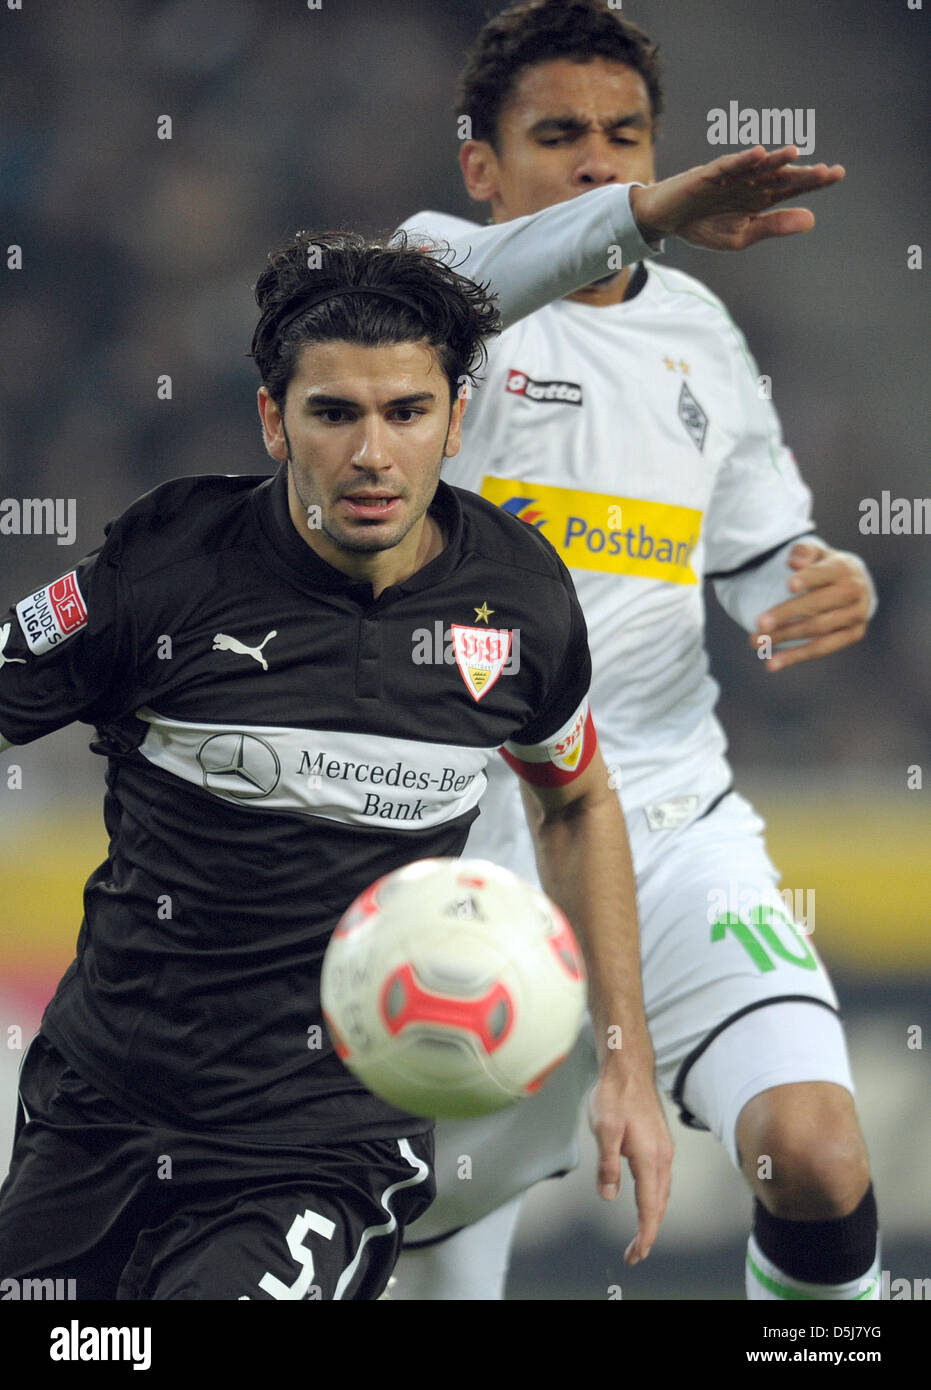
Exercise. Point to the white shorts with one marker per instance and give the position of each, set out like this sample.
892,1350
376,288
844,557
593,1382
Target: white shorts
736,999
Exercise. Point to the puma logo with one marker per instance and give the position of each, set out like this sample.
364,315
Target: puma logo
4,638
222,643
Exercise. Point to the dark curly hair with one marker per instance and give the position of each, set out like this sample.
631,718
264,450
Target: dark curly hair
432,303
539,31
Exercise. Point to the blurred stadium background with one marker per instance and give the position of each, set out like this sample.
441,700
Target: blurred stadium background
138,257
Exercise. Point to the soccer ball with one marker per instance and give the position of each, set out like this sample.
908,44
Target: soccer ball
453,988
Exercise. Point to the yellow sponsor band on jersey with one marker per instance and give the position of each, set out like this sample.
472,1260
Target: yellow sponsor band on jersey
597,531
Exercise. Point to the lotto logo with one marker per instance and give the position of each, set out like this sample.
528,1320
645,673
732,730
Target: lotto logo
520,384
52,614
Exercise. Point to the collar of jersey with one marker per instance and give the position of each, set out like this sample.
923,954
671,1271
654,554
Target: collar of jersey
289,555
638,281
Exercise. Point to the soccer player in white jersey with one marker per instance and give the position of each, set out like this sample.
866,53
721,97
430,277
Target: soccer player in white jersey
625,422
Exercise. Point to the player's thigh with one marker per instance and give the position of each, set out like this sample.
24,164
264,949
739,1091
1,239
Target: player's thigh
332,1234
80,1174
770,1050
469,1265
721,952
483,1163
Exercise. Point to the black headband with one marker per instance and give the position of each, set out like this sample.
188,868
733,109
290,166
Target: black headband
310,301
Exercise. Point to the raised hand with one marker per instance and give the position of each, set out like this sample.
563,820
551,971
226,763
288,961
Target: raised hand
723,206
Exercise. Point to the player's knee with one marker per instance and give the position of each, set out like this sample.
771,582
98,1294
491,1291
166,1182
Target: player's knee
802,1151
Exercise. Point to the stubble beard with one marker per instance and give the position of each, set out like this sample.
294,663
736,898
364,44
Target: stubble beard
357,542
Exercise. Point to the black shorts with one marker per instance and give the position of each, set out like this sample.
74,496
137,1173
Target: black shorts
133,1211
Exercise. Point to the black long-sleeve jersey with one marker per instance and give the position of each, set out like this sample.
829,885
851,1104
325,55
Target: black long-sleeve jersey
276,739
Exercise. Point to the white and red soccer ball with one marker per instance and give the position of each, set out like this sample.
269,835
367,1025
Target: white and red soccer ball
453,988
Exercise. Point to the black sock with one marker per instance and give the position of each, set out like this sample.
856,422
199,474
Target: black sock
820,1252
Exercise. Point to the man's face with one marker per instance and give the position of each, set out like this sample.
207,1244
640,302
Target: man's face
366,430
567,128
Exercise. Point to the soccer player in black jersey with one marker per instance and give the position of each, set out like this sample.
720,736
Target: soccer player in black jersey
243,648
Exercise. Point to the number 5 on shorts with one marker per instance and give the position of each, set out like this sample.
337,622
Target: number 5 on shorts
310,1221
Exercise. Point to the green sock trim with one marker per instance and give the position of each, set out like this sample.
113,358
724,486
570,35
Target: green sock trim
781,1291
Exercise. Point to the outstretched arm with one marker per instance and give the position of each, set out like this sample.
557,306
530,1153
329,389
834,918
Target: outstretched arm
724,205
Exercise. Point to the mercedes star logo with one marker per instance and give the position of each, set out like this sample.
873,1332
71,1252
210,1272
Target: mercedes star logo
242,766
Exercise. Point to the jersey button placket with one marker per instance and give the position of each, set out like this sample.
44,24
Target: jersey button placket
368,660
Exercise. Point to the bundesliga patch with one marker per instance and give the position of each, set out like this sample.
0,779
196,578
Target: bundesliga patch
693,417
520,384
52,614
480,655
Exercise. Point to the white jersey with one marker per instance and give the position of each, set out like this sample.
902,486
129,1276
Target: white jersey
638,438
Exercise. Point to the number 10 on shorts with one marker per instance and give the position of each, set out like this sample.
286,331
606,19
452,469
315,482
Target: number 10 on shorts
758,932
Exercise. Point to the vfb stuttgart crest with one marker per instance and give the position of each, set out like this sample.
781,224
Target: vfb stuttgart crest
480,655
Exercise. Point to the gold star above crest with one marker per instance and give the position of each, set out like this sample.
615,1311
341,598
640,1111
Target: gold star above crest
684,366
484,613
670,365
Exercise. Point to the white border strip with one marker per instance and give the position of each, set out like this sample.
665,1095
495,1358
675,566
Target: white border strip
387,1227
